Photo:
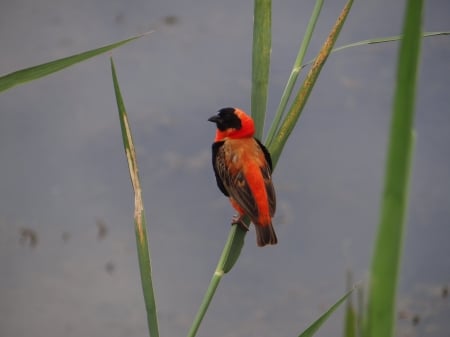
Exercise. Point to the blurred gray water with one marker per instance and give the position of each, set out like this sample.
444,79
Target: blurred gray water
64,176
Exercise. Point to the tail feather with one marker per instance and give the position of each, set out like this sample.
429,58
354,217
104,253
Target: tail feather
265,235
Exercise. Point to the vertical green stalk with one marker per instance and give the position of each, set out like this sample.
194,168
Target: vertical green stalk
360,316
139,213
300,100
260,76
388,245
262,40
350,326
260,79
295,72
229,256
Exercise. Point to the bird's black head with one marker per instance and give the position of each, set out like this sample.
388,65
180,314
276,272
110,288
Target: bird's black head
226,119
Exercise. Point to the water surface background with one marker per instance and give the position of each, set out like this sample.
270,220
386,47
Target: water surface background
63,171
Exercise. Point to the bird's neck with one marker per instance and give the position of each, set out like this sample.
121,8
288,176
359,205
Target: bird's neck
234,134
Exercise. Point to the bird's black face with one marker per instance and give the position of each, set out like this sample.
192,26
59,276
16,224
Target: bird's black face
226,119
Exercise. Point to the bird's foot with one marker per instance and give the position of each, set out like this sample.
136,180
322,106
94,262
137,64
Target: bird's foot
239,220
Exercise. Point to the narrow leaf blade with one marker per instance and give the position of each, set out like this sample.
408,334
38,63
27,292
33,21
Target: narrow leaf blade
302,96
388,245
350,320
287,92
262,40
312,329
33,73
143,250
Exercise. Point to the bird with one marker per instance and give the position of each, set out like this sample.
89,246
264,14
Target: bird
243,170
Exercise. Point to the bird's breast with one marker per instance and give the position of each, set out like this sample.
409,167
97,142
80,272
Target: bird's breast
240,153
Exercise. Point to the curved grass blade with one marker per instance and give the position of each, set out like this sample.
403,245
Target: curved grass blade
262,40
388,245
302,96
143,249
287,92
385,39
376,41
33,73
312,329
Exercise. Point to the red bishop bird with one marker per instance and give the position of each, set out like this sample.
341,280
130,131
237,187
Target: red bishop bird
243,169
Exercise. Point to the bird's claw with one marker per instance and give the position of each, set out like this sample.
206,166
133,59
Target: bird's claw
239,220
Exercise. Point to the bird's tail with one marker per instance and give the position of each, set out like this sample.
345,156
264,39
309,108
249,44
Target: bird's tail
265,235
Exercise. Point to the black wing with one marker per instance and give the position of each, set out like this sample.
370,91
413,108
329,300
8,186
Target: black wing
218,165
267,175
266,154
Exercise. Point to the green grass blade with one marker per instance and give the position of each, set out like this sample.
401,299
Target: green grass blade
350,321
350,313
262,40
213,284
312,329
228,258
139,213
295,72
233,247
33,73
388,246
385,39
360,318
300,100
376,41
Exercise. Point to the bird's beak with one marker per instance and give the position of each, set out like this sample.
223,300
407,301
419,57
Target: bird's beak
214,119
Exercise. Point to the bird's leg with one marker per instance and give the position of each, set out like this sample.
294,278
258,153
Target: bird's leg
239,220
